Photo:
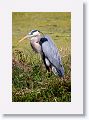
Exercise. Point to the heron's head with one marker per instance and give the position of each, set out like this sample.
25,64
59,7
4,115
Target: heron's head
34,34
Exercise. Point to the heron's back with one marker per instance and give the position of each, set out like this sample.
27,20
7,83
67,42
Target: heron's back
51,52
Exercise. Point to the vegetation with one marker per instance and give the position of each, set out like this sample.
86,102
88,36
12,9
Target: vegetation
30,80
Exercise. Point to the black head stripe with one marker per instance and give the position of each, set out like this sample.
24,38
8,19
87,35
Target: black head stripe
33,31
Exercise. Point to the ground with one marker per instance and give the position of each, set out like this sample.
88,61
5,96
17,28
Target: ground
30,80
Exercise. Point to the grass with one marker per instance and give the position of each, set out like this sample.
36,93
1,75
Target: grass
30,81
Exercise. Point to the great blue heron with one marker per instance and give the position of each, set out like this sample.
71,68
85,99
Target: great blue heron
44,45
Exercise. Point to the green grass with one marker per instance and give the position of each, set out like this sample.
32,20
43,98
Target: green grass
30,81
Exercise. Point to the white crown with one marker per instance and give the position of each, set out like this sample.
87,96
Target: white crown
34,34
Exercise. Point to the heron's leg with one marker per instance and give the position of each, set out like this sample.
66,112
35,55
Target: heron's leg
47,64
47,68
49,73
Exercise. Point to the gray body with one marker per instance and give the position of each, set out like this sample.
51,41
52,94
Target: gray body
52,56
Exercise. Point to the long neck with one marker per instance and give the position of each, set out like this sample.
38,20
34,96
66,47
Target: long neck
36,39
35,44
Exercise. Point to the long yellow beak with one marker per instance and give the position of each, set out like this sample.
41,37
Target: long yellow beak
24,38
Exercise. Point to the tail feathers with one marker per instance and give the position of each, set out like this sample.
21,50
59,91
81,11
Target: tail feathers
60,72
57,71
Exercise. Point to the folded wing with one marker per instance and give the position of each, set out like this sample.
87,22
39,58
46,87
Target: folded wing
52,54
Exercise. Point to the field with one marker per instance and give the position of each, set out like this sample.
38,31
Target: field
30,80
